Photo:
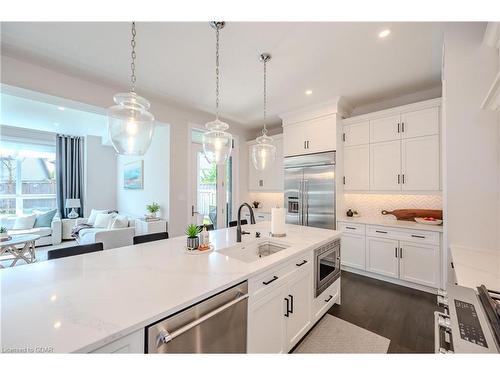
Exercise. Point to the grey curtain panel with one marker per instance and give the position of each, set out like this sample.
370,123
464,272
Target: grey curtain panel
69,169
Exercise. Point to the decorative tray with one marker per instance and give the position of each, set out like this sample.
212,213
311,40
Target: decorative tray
197,252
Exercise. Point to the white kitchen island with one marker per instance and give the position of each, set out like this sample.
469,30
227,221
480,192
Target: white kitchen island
86,303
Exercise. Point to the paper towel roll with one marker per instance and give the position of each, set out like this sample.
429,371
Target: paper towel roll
277,221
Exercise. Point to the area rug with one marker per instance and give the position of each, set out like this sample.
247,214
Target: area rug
334,335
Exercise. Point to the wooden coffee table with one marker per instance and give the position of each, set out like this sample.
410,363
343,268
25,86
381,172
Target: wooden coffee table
21,247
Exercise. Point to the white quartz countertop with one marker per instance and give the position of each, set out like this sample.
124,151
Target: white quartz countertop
474,267
390,221
80,303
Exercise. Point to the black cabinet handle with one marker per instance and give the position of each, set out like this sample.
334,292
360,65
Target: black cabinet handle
401,252
270,281
301,263
291,303
452,265
402,127
396,252
351,228
399,179
398,126
403,178
329,298
381,231
287,307
305,145
416,236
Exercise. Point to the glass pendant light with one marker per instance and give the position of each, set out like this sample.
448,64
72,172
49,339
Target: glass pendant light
130,125
264,151
217,142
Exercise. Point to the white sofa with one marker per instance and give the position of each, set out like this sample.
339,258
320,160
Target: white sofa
48,235
110,238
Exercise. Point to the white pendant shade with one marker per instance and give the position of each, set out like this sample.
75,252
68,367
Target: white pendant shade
217,143
130,125
263,153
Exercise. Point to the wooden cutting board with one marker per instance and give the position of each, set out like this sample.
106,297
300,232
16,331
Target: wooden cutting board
409,214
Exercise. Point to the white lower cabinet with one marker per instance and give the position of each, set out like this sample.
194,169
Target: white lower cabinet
382,256
353,251
298,319
325,300
400,254
266,324
130,344
279,315
419,263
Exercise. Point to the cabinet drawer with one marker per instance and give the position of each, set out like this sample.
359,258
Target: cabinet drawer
264,283
325,300
353,228
419,236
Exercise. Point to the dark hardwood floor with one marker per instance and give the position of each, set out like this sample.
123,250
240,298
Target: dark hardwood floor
403,315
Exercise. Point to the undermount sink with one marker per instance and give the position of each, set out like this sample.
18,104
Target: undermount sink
253,251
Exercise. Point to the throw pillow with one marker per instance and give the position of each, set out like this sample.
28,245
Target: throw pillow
93,215
24,222
44,219
103,220
119,221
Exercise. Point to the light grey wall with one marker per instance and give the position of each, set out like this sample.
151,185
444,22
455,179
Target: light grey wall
471,139
156,178
100,175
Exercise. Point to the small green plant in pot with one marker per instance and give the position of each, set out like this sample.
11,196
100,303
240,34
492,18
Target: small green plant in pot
153,209
192,232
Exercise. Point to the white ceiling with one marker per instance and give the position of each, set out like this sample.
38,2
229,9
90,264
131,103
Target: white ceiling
175,61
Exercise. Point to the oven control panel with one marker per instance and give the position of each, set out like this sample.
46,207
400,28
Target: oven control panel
468,323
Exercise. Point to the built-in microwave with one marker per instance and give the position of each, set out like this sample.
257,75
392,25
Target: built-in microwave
327,265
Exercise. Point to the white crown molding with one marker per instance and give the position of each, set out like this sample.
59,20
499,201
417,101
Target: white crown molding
338,105
492,35
394,110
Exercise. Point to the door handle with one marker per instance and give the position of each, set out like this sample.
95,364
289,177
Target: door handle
381,231
270,281
291,303
193,211
164,336
399,179
401,252
287,307
398,127
305,147
301,263
329,298
396,252
416,236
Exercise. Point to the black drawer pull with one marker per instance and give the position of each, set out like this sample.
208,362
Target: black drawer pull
287,307
381,231
452,265
291,303
416,236
351,228
270,281
301,263
329,298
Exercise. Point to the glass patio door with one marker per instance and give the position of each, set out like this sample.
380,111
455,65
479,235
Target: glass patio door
211,191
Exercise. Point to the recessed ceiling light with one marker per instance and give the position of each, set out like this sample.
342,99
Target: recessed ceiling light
57,325
384,33
55,123
308,92
61,108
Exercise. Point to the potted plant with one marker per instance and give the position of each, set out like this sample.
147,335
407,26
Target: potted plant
192,232
153,208
3,233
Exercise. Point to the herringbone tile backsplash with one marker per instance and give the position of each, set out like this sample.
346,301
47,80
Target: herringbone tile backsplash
370,205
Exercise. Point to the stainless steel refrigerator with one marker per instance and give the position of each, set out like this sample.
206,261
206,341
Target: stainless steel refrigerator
310,190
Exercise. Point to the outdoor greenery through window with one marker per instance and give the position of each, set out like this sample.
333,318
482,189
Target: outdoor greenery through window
27,178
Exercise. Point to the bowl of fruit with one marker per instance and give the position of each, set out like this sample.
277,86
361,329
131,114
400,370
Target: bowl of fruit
428,220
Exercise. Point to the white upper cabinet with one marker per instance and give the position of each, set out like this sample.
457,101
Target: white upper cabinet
357,167
420,123
404,149
385,166
271,179
357,134
420,163
311,136
385,129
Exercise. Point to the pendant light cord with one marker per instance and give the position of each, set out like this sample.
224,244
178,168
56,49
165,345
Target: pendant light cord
217,73
264,130
133,55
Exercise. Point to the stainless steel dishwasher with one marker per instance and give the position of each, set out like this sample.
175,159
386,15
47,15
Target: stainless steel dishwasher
215,325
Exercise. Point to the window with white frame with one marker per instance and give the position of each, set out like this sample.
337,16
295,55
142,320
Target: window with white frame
27,178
